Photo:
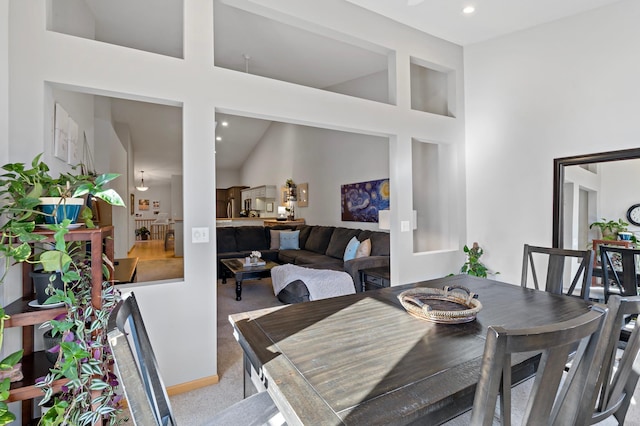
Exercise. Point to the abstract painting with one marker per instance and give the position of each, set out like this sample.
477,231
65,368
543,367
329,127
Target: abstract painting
361,201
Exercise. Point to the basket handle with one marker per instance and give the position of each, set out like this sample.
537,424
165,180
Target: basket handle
419,303
461,289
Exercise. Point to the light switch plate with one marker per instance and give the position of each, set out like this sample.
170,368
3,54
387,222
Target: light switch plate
199,235
405,226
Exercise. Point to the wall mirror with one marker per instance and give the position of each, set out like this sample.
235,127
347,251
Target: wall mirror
590,187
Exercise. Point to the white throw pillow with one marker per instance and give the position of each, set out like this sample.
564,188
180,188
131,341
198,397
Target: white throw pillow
364,249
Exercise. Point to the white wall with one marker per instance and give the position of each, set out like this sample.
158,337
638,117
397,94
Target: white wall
618,183
38,56
325,159
227,178
561,89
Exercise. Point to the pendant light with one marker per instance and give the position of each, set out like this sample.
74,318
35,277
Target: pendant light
142,187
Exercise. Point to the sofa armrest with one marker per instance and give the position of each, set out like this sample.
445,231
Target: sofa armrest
354,266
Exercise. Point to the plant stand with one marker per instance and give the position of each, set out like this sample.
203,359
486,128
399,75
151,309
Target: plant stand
35,364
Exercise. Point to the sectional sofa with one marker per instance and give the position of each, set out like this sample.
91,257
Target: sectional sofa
320,247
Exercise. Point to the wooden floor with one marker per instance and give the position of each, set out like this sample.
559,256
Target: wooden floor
151,249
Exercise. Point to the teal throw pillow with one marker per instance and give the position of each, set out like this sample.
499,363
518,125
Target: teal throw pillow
289,240
350,251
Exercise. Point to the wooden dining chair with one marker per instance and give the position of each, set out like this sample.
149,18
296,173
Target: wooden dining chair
619,374
556,260
550,402
619,270
143,386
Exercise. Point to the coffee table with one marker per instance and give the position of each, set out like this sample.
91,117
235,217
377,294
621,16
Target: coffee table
242,272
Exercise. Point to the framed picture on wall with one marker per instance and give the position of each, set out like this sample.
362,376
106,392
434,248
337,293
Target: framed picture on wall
143,204
132,201
303,195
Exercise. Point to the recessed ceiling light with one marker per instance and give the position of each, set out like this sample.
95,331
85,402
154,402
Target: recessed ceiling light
218,138
225,124
467,11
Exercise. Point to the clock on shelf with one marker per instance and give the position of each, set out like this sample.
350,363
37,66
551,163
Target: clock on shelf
633,214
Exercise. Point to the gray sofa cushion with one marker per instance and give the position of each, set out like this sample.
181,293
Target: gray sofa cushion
339,240
251,238
294,292
305,230
226,240
319,238
380,245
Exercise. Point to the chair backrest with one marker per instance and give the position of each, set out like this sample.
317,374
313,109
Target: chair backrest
596,247
556,261
137,366
619,269
549,403
618,382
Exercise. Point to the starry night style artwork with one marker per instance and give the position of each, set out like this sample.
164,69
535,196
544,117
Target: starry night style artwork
361,201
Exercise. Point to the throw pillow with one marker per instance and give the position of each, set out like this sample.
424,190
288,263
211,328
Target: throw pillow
364,249
289,240
350,251
275,240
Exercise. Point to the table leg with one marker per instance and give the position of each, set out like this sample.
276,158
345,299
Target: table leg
238,288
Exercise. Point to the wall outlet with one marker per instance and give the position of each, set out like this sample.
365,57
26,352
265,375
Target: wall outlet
199,235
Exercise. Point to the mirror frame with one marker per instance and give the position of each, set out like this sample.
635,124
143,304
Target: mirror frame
558,181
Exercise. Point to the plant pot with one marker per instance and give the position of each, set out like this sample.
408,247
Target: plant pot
41,282
51,342
57,209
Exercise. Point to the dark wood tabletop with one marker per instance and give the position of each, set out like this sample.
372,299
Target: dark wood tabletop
362,359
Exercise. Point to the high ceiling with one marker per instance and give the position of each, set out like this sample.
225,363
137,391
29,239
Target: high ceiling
491,19
285,52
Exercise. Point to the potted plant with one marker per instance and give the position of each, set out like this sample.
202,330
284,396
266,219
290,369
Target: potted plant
88,395
473,266
143,233
609,228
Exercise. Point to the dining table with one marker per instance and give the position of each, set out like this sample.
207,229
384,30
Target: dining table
362,359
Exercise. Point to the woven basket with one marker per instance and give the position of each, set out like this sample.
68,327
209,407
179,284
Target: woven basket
451,305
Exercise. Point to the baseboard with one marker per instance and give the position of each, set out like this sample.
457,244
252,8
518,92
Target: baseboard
193,385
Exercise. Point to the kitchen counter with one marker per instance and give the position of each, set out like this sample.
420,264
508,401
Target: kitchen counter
252,221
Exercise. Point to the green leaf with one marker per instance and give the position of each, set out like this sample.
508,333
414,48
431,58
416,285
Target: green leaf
12,359
54,260
111,197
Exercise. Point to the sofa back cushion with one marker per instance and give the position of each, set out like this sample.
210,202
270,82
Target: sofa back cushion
380,245
339,240
305,230
249,238
226,240
319,238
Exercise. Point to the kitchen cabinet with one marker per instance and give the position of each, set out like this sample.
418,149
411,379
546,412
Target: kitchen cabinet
259,196
35,364
221,202
234,199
